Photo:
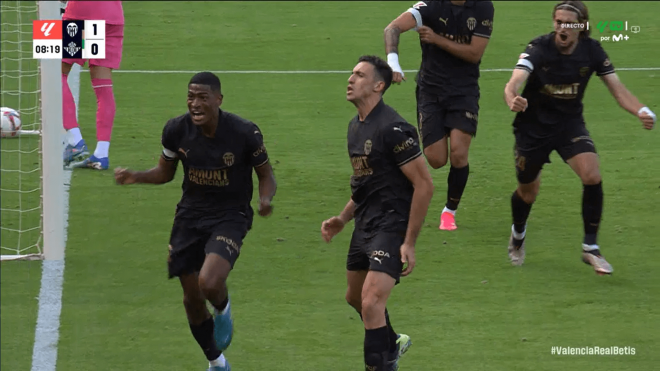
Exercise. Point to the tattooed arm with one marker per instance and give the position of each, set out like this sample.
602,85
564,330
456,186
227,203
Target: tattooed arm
402,23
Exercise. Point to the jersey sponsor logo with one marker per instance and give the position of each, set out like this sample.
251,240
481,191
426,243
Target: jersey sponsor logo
562,91
361,166
487,23
471,23
260,150
471,116
419,5
406,144
214,178
367,147
228,158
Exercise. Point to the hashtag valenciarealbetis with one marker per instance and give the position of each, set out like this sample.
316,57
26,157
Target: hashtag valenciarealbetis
593,351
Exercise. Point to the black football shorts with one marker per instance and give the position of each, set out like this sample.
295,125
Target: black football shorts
531,154
438,116
376,251
192,240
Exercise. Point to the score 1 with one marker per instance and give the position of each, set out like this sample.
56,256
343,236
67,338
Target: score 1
94,40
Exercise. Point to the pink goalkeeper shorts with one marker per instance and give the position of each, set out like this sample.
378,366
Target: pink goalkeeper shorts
114,41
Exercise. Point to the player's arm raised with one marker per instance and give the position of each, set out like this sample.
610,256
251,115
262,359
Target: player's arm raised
628,101
163,172
405,22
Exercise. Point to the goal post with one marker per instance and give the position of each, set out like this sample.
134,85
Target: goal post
32,187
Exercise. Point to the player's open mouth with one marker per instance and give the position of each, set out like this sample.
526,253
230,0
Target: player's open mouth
197,115
563,37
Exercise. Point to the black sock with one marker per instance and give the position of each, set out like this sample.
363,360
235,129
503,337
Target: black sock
223,305
456,182
375,348
203,333
592,210
392,334
520,211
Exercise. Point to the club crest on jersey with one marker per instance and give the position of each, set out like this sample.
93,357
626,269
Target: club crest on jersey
72,29
367,147
419,5
471,23
607,63
228,158
584,71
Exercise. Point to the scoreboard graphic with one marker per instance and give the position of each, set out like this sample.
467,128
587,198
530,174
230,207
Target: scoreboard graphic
58,39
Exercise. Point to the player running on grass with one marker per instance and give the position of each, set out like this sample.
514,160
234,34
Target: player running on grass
454,36
218,151
557,68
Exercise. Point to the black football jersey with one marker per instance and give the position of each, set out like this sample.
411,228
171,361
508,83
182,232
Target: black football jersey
441,72
217,171
378,147
557,83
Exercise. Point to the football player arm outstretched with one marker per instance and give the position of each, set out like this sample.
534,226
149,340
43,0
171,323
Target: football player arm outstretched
628,101
418,174
512,98
405,22
163,172
334,225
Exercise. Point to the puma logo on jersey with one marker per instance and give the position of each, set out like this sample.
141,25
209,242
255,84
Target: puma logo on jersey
397,128
185,153
444,20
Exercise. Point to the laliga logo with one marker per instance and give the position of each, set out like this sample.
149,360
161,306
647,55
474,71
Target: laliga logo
46,28
72,29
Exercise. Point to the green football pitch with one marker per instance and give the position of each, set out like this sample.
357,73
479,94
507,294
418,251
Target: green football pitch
465,306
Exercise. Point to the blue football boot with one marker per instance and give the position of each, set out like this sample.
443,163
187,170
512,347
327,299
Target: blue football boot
223,329
93,162
75,153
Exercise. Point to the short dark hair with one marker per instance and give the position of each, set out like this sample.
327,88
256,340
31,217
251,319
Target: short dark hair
383,71
206,78
580,9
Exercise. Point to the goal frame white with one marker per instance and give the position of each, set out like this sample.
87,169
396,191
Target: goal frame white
52,169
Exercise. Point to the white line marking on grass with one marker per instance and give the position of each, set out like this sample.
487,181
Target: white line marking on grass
327,72
47,333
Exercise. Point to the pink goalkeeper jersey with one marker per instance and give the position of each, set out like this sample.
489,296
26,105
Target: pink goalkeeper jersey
109,11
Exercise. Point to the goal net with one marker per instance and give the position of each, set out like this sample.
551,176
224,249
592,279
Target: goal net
28,179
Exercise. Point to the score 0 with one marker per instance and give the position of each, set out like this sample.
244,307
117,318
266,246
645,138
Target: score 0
94,40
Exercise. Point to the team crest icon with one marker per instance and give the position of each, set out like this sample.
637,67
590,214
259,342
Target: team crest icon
72,49
607,63
471,23
584,71
228,158
72,29
367,147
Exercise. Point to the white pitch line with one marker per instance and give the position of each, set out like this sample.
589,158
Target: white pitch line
47,332
326,72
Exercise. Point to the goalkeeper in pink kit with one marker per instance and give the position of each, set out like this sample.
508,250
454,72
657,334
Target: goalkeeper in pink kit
101,74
